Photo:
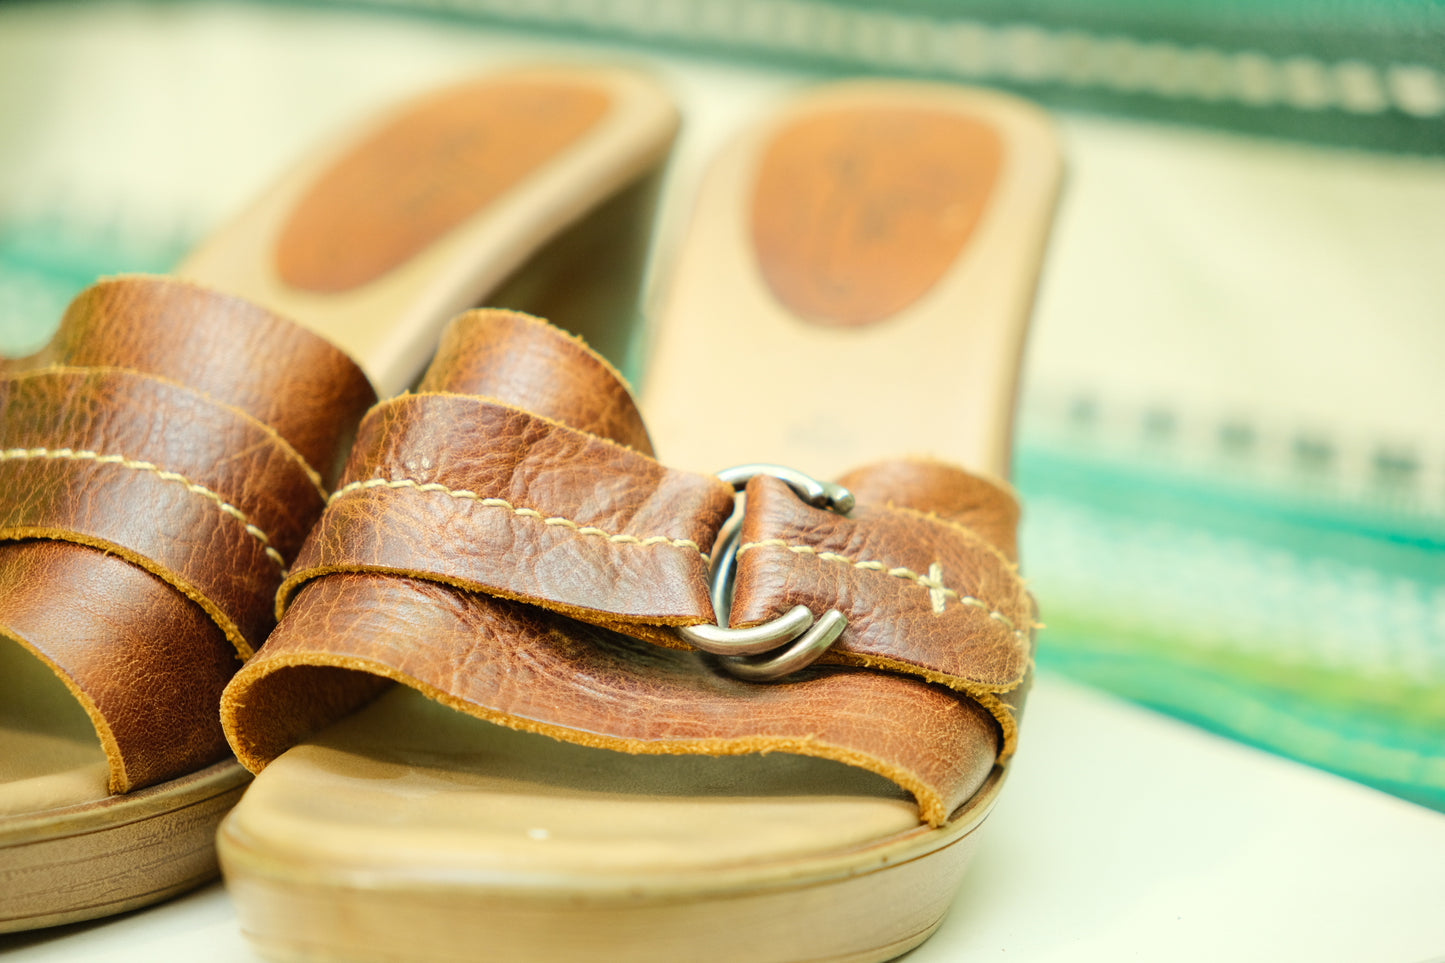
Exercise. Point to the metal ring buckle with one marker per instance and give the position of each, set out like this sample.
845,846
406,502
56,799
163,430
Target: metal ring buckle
753,653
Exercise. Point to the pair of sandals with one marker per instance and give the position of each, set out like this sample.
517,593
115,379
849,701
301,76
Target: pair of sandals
579,758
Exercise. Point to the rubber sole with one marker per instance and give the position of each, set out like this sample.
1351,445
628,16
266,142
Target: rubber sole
115,854
871,903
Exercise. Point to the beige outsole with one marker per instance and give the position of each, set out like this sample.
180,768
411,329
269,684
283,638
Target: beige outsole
298,912
116,854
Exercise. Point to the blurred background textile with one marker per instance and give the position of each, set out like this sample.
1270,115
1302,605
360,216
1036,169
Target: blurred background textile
1368,72
1230,443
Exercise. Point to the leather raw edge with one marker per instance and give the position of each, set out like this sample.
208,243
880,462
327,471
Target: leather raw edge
118,780
465,651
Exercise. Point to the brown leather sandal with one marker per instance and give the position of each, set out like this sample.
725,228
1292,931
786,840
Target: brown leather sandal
164,457
562,771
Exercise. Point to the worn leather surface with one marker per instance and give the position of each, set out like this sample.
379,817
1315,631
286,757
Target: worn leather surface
495,499
473,595
525,364
923,592
460,485
147,664
155,485
201,494
522,667
236,352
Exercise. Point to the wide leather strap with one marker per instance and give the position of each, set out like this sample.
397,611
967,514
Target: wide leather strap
455,511
199,493
491,498
238,353
155,485
529,669
549,504
923,591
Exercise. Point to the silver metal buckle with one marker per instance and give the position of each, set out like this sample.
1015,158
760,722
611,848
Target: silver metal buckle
753,653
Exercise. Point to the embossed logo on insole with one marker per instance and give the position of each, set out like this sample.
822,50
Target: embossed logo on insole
408,184
859,211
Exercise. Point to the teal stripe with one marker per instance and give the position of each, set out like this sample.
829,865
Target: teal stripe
1404,759
1109,542
1392,539
44,264
1298,71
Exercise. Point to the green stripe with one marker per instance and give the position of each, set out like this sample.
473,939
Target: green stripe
1295,70
1401,757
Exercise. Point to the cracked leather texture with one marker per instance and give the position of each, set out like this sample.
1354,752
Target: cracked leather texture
237,352
413,613
531,670
156,483
200,492
521,361
560,505
923,591
495,499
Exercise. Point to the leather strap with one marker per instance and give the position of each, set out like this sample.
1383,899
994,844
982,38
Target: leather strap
238,353
147,664
924,593
533,366
201,494
454,509
494,499
149,509
523,667
559,505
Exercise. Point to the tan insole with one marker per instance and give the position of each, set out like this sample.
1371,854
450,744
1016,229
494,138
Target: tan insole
378,240
406,790
856,285
49,754
408,785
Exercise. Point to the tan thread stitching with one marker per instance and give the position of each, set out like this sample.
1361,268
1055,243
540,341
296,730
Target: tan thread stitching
926,581
69,454
55,368
551,520
937,594
975,539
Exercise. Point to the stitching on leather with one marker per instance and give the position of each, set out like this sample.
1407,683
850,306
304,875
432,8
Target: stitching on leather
55,368
69,454
974,538
937,593
487,502
924,581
